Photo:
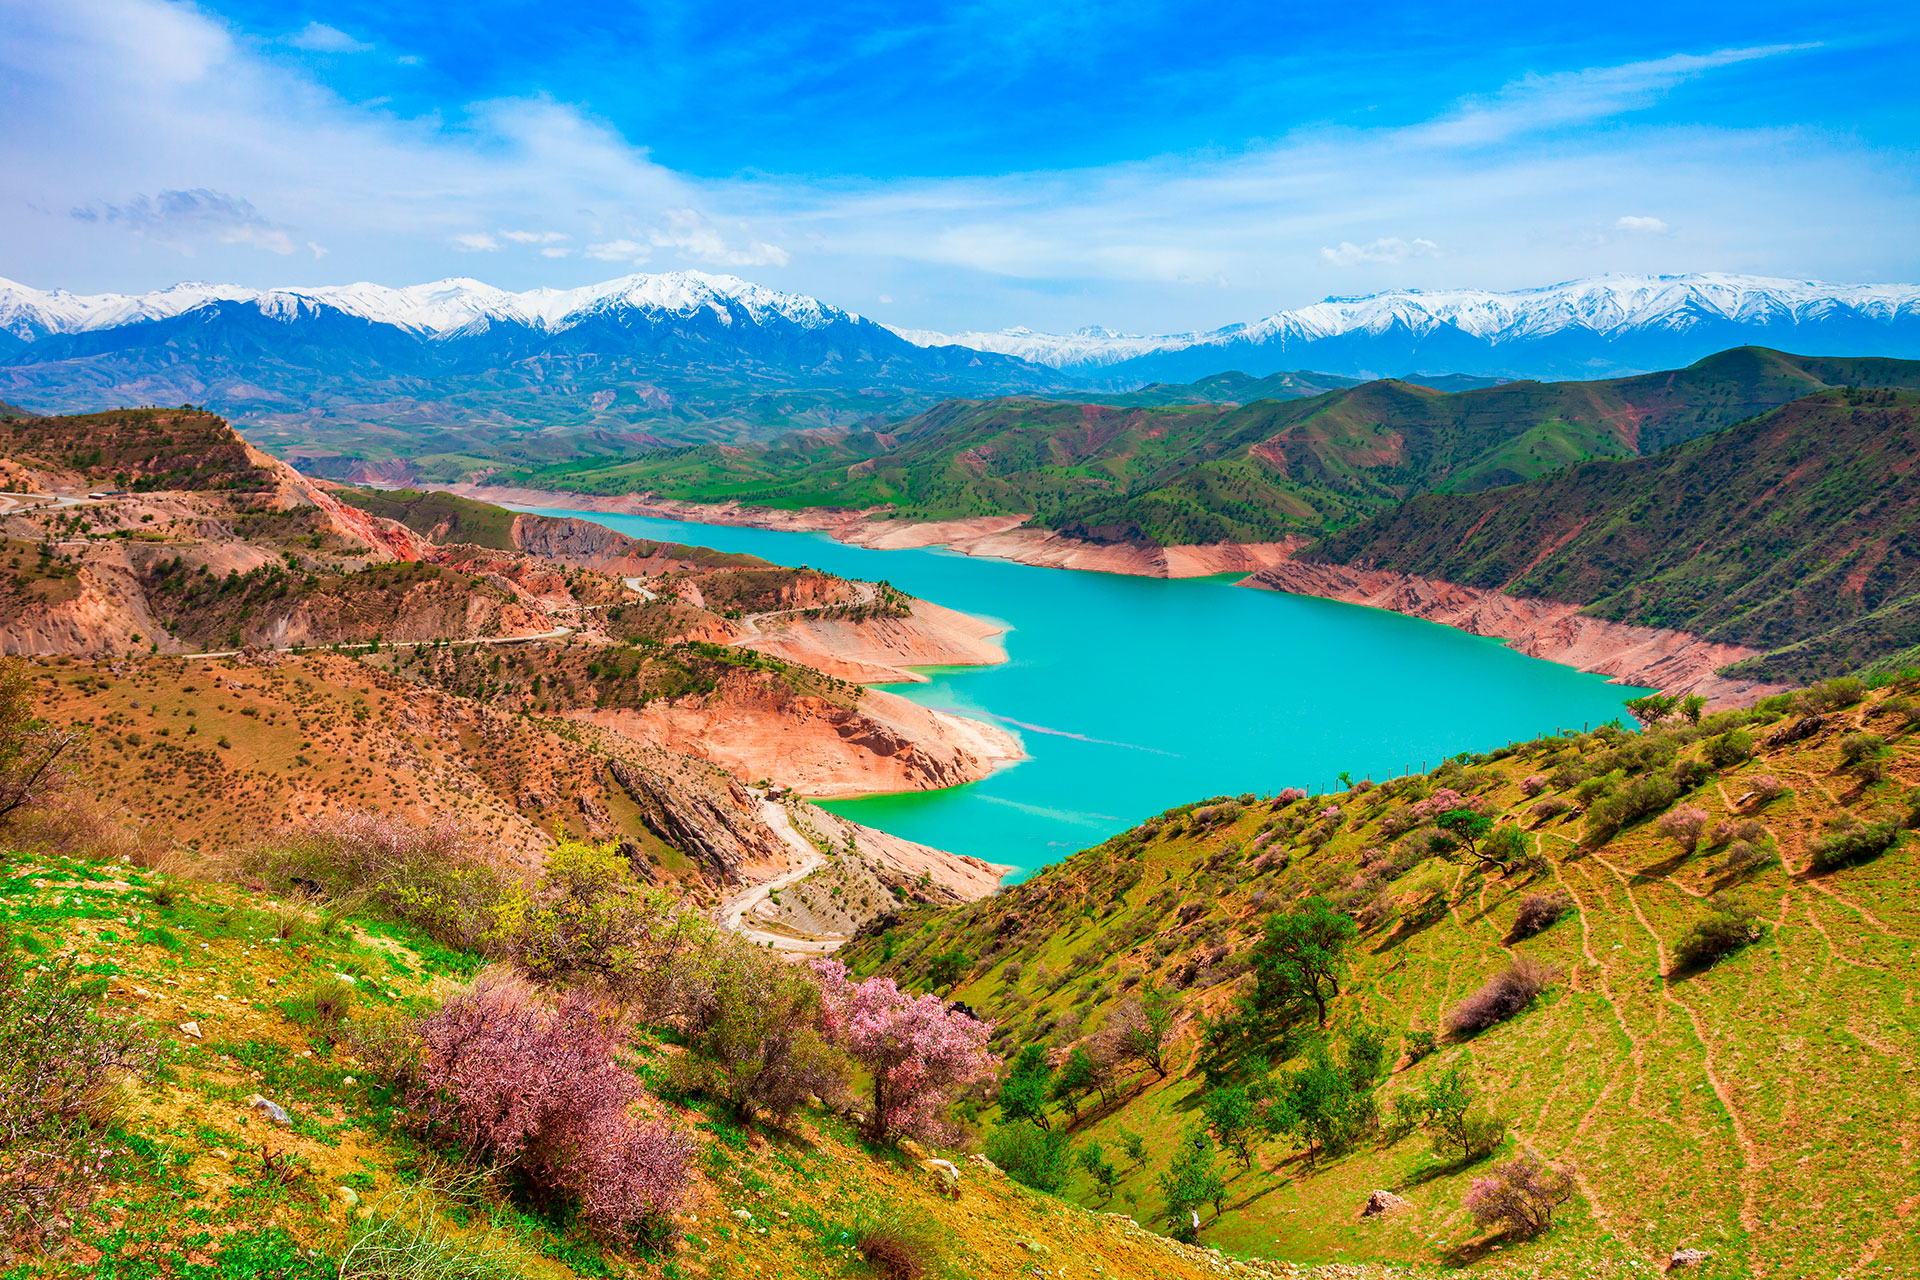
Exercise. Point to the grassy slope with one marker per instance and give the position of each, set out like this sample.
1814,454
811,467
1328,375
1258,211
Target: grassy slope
187,1193
1761,1109
1170,472
1801,528
440,516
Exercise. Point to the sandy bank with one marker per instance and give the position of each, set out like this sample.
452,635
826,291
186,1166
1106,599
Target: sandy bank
1674,661
755,729
882,650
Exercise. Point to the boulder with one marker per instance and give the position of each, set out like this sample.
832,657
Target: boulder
1381,1203
946,1177
272,1110
1683,1258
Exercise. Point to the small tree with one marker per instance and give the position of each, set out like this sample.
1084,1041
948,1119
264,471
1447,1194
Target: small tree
1075,1079
916,1049
1023,1095
1723,930
947,970
1192,1178
1300,956
1520,1195
1684,825
1229,1112
1449,1109
1030,1155
33,753
1653,708
1134,1145
1093,1158
1144,1024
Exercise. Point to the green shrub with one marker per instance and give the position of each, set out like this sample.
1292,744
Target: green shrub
1849,841
1032,1156
1636,799
1722,931
1729,749
898,1241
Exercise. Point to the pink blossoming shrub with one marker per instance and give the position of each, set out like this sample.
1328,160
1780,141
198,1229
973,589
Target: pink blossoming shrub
918,1051
538,1087
1289,794
1684,825
1533,784
1503,995
1520,1195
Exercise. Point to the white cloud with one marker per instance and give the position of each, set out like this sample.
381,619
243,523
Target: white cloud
475,242
318,37
551,252
180,219
886,300
690,232
1391,249
535,237
1653,226
619,251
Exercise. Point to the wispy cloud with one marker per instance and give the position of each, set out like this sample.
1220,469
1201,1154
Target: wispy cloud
475,242
1633,222
182,219
318,37
1389,249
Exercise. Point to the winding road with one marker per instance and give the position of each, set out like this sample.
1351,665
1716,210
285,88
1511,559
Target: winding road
734,911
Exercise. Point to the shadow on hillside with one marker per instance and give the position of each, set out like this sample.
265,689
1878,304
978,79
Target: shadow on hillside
1659,870
1407,932
1431,1169
1469,1252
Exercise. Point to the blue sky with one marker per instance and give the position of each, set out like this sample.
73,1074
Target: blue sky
1145,166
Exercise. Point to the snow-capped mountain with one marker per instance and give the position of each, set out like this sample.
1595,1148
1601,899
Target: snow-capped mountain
458,366
442,309
1582,328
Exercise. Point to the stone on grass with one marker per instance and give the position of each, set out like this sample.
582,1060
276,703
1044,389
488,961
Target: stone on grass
272,1110
1687,1258
1381,1203
946,1177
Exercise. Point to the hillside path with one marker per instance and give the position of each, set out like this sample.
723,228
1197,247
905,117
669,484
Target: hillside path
733,912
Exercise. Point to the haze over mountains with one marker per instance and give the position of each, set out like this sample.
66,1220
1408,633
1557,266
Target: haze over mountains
457,366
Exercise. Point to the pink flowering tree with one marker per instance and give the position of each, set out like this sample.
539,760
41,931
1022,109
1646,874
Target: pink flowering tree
539,1087
918,1051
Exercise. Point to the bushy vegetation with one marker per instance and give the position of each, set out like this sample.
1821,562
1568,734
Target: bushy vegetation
1505,994
1722,930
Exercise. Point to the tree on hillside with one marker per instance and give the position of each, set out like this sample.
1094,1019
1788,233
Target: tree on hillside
1230,1112
1075,1079
1144,1024
1192,1178
1300,956
1093,1158
1652,709
916,1049
947,970
33,753
1023,1095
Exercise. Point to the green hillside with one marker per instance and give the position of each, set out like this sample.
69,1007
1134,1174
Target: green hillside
1758,1108
1150,468
1797,533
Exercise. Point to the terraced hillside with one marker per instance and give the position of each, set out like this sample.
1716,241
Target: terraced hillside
1181,474
1759,1108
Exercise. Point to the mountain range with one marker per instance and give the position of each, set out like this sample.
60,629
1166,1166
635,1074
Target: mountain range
468,374
1600,327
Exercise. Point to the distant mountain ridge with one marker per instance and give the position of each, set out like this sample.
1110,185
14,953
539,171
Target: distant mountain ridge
1598,327
463,370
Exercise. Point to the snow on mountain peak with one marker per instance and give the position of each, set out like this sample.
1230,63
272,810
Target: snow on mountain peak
435,309
1601,305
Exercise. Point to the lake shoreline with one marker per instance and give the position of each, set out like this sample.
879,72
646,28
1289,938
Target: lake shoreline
1675,662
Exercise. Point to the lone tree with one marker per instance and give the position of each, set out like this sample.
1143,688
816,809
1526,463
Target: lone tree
1144,1025
1300,956
1653,708
947,970
32,752
1520,1195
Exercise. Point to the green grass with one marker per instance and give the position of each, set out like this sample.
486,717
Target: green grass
1759,1109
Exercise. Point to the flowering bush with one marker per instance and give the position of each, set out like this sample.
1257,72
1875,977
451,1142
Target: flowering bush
539,1087
917,1049
1289,794
1520,1195
1538,911
1503,995
1533,784
1684,825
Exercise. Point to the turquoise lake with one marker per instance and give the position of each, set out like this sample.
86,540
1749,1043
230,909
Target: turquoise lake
1133,695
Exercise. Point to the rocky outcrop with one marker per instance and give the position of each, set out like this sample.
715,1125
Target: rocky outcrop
755,726
1670,660
721,832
